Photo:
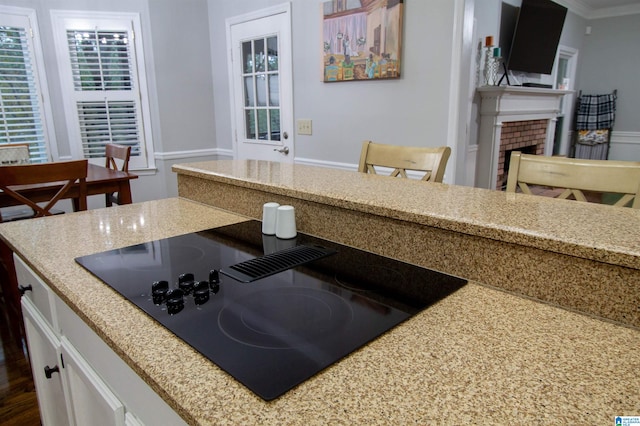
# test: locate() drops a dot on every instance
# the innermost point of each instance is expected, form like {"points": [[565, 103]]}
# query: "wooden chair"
{"points": [[576, 175], [432, 161], [115, 152], [69, 172]]}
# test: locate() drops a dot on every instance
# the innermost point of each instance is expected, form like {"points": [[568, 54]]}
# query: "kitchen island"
{"points": [[482, 355], [581, 256]]}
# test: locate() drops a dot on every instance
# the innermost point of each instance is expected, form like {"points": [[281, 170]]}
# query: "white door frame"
{"points": [[287, 98], [568, 102]]}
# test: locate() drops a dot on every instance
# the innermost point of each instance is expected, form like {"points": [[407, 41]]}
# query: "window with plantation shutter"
{"points": [[103, 122], [22, 116], [104, 83]]}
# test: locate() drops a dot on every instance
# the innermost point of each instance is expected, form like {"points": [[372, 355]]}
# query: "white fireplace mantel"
{"points": [[501, 104]]}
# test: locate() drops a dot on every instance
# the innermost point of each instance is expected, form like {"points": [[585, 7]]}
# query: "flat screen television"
{"points": [[536, 36]]}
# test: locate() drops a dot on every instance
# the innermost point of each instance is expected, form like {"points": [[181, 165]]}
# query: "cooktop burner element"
{"points": [[285, 318], [270, 331]]}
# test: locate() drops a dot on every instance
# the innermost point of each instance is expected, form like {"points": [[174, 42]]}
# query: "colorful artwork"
{"points": [[362, 39]]}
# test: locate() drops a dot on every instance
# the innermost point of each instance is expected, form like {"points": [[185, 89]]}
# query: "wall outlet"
{"points": [[304, 127]]}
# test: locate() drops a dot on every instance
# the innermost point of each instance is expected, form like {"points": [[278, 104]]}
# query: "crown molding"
{"points": [[578, 7], [612, 12]]}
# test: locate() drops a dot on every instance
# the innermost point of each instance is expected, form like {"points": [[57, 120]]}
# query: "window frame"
{"points": [[40, 76], [64, 20]]}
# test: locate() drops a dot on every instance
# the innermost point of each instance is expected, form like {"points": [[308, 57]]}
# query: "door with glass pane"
{"points": [[261, 75]]}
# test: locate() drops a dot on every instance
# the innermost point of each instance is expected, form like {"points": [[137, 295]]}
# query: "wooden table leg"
{"points": [[124, 192]]}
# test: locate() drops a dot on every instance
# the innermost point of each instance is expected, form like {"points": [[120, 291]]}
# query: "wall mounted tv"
{"points": [[536, 36]]}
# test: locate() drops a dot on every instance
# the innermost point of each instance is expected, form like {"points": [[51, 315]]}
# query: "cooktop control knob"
{"points": [[185, 277], [159, 291], [186, 282], [186, 286], [175, 301], [201, 292], [214, 281]]}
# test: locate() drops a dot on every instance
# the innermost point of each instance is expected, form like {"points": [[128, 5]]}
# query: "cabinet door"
{"points": [[92, 402], [44, 347]]}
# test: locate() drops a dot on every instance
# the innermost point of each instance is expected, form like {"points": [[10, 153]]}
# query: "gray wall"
{"points": [[43, 8], [610, 59], [412, 110], [487, 14], [179, 77], [186, 60], [184, 84]]}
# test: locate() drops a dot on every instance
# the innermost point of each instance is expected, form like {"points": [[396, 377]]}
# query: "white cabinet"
{"points": [[92, 385], [44, 351]]}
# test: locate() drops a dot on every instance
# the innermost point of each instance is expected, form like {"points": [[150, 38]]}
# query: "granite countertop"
{"points": [[588, 230], [479, 356]]}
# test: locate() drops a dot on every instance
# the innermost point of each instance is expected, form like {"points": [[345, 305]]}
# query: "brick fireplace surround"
{"points": [[525, 136], [513, 117]]}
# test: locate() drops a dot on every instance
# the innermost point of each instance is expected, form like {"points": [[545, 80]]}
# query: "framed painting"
{"points": [[362, 39]]}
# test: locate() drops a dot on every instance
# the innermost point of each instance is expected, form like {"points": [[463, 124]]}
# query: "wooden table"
{"points": [[100, 180]]}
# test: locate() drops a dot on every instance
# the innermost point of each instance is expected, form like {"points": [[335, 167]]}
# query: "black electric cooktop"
{"points": [[270, 312]]}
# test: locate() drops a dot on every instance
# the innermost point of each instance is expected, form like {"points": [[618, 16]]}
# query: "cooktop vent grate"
{"points": [[270, 264]]}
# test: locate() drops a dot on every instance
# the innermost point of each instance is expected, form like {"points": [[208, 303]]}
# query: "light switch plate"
{"points": [[304, 127]]}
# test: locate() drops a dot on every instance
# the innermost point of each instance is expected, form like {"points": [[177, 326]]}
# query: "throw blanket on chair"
{"points": [[596, 112]]}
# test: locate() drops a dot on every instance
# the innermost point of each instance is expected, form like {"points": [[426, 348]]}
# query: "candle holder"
{"points": [[488, 66], [495, 70]]}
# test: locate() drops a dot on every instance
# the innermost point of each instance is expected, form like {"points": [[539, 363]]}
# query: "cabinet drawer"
{"points": [[40, 293]]}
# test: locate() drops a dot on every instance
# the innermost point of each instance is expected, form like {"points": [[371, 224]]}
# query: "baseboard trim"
{"points": [[628, 138], [180, 155], [328, 164]]}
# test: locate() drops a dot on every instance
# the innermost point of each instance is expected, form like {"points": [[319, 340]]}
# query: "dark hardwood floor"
{"points": [[18, 403]]}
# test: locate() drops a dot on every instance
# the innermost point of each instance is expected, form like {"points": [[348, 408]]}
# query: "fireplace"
{"points": [[513, 117], [527, 137]]}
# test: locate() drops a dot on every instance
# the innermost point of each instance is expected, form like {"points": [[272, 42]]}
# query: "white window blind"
{"points": [[21, 117], [102, 76]]}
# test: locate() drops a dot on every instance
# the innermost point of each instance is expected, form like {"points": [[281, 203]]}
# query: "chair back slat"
{"points": [[575, 176], [112, 153], [115, 152], [431, 161], [68, 173]]}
